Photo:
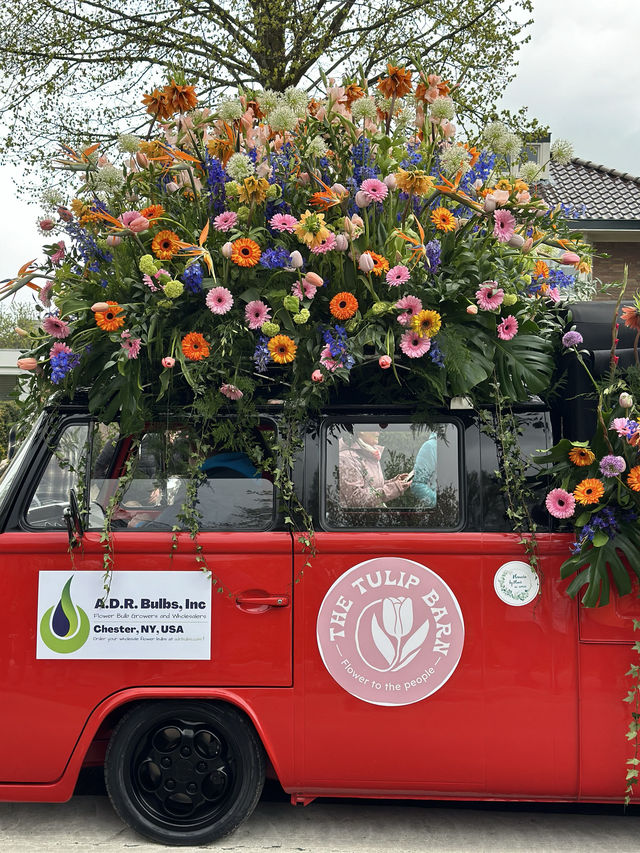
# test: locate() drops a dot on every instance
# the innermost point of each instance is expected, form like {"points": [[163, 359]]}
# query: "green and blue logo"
{"points": [[65, 628]]}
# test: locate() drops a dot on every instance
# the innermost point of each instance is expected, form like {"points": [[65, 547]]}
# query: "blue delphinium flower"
{"points": [[192, 277], [261, 356], [435, 354], [277, 258], [61, 364], [216, 179], [432, 259], [337, 341]]}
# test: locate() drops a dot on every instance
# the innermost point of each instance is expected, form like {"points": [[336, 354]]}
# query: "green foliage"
{"points": [[19, 315], [9, 415]]}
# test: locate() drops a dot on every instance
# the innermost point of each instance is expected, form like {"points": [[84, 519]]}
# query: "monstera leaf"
{"points": [[524, 366]]}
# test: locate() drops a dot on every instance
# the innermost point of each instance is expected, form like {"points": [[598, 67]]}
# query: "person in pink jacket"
{"points": [[362, 482]]}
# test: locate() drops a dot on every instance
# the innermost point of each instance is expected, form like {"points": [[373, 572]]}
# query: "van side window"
{"points": [[391, 475], [232, 494], [65, 470]]}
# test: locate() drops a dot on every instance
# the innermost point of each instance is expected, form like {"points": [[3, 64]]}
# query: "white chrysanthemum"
{"points": [[230, 110], [442, 108], [128, 143], [282, 118], [268, 100], [317, 147], [530, 172], [51, 198], [453, 159], [364, 108], [510, 145], [562, 151], [493, 133], [297, 100], [239, 167], [108, 179]]}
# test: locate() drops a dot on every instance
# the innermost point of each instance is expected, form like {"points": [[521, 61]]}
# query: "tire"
{"points": [[184, 773]]}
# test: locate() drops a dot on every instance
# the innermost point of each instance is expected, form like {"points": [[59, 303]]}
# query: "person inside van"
{"points": [[362, 482], [424, 483]]}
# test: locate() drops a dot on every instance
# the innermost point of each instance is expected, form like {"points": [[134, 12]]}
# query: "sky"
{"points": [[579, 74]]}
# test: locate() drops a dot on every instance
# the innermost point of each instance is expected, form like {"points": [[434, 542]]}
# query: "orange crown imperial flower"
{"points": [[181, 99], [157, 105], [397, 84], [110, 320]]}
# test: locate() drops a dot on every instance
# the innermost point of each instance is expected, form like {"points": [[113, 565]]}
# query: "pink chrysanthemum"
{"points": [[490, 296], [256, 313], [326, 245], [504, 225], [508, 328], [57, 348], [225, 221], [130, 345], [411, 305], [560, 504], [231, 391], [375, 189], [55, 327], [398, 275], [219, 300], [283, 222], [413, 345]]}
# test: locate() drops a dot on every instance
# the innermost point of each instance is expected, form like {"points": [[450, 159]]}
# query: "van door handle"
{"points": [[261, 601]]}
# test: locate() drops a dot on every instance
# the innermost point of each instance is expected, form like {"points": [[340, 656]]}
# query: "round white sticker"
{"points": [[516, 583]]}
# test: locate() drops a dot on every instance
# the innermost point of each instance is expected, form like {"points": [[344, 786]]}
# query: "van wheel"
{"points": [[184, 773]]}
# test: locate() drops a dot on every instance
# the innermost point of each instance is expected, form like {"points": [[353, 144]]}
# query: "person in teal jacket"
{"points": [[424, 484]]}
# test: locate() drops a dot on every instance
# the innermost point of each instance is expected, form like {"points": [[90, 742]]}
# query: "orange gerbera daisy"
{"points": [[589, 491], [443, 219], [154, 211], [343, 305], [245, 252], [581, 456], [397, 84], [381, 264], [540, 270], [631, 317], [426, 323], [282, 349], [633, 479], [195, 346], [165, 245], [110, 320]]}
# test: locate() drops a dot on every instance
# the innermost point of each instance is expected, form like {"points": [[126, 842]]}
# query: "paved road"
{"points": [[87, 822]]}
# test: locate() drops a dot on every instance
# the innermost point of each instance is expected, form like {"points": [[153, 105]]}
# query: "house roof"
{"points": [[610, 198]]}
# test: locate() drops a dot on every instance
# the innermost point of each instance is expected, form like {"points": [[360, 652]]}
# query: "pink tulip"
{"points": [[227, 250], [523, 197], [168, 361], [385, 362], [517, 241], [527, 246], [47, 224], [171, 187], [296, 259], [366, 262], [472, 309], [501, 197], [113, 240], [317, 376], [100, 306], [391, 182], [342, 244], [570, 258], [139, 224], [339, 189], [143, 160], [314, 279], [489, 203], [363, 199], [27, 363]]}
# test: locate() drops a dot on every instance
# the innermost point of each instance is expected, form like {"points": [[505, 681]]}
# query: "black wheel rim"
{"points": [[183, 774]]}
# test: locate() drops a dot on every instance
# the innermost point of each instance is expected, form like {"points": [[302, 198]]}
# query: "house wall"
{"points": [[620, 250]]}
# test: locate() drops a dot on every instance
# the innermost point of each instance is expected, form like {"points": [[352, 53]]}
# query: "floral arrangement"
{"points": [[598, 482], [279, 241]]}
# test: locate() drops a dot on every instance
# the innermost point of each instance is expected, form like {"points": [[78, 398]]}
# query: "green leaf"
{"points": [[600, 539]]}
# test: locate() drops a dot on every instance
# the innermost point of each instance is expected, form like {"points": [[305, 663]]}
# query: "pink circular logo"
{"points": [[390, 631]]}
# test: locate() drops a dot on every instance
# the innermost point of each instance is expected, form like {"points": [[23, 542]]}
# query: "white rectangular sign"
{"points": [[147, 616]]}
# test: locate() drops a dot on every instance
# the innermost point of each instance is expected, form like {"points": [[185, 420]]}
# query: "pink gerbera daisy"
{"points": [[45, 294], [58, 257], [508, 328], [150, 282], [55, 327], [231, 391], [398, 275], [130, 345], [57, 348], [225, 221], [504, 225], [411, 305], [283, 222], [621, 426], [303, 289], [413, 345], [375, 189], [560, 504], [326, 245], [219, 300], [256, 313], [490, 296]]}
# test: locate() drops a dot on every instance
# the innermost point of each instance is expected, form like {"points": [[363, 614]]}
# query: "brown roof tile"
{"points": [[607, 194]]}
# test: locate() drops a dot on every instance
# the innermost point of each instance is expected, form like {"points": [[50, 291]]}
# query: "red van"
{"points": [[419, 656]]}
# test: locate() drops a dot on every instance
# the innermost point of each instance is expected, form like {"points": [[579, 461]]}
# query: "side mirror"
{"points": [[73, 520]]}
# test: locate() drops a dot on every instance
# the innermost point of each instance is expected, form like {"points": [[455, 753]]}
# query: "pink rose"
{"points": [[168, 361], [47, 224], [523, 197], [385, 362], [472, 309], [317, 376]]}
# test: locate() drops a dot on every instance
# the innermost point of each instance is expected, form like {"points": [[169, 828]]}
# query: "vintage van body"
{"points": [[414, 657]]}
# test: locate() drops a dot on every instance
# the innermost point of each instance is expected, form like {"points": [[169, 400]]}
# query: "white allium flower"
{"points": [[407, 117], [297, 100], [510, 145], [230, 110], [317, 147], [530, 172], [268, 100], [282, 118], [364, 108], [493, 134], [128, 143], [52, 197], [442, 108], [562, 151], [453, 159], [239, 167], [108, 179]]}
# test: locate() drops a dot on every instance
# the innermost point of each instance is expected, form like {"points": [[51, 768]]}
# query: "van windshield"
{"points": [[11, 471]]}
